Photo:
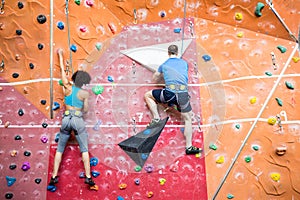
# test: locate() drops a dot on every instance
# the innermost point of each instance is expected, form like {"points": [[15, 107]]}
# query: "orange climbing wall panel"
{"points": [[230, 92]]}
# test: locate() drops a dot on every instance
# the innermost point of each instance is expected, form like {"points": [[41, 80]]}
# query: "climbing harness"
{"points": [[2, 6], [69, 64]]}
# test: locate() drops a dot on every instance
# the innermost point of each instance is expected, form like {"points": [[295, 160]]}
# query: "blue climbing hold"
{"points": [[93, 161], [144, 156], [60, 25], [206, 58], [120, 198], [73, 48], [56, 106], [95, 173], [81, 175], [147, 131], [110, 79], [10, 180], [177, 30], [56, 137], [51, 188]]}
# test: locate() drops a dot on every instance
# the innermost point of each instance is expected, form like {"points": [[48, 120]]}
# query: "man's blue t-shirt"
{"points": [[175, 71]]}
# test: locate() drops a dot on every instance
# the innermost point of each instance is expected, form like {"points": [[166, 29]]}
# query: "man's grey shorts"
{"points": [[72, 120]]}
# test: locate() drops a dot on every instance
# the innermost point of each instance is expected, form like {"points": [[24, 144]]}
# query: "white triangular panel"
{"points": [[153, 56]]}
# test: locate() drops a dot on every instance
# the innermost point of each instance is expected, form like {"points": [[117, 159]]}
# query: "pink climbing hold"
{"points": [[83, 29], [89, 3]]}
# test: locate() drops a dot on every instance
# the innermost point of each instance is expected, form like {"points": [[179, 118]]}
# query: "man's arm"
{"points": [[157, 77]]}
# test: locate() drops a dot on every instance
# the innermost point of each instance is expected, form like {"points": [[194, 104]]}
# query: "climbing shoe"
{"points": [[192, 150], [53, 181], [153, 123], [89, 181]]}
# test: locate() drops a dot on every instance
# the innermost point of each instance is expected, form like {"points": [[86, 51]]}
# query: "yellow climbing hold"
{"points": [[272, 120], [275, 176], [220, 160], [162, 181], [296, 59], [238, 16], [240, 34], [253, 100]]}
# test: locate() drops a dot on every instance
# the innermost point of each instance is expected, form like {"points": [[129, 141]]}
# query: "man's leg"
{"points": [[152, 105], [188, 132]]}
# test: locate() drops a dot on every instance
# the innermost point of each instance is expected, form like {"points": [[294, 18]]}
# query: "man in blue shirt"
{"points": [[175, 74]]}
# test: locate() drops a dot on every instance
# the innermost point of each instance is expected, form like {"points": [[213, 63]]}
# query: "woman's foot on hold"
{"points": [[53, 181], [153, 123], [192, 150]]}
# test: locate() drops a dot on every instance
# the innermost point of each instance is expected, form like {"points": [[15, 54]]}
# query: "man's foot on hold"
{"points": [[89, 181], [192, 150], [153, 123], [53, 181]]}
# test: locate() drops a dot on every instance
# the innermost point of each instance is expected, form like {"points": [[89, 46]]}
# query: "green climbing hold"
{"points": [[77, 2], [255, 147], [60, 82], [138, 168], [248, 159], [268, 73], [258, 9], [230, 196], [98, 46], [98, 89], [282, 49], [237, 126], [213, 147], [279, 101], [289, 85]]}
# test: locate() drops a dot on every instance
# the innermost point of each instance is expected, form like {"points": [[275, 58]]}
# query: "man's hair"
{"points": [[81, 78], [173, 49]]}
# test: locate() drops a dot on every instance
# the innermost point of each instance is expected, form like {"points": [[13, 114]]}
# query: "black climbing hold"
{"points": [[44, 125], [41, 19], [38, 180], [19, 32], [21, 112], [27, 153], [12, 166], [162, 14], [9, 195], [31, 66], [15, 75], [43, 102], [20, 5], [40, 46], [18, 137]]}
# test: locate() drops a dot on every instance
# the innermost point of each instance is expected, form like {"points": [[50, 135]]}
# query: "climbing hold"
{"points": [[253, 100], [40, 46], [98, 89], [81, 175], [56, 137], [275, 176], [282, 49], [137, 181], [123, 186], [248, 159], [83, 29], [41, 19], [7, 124], [18, 137], [296, 59], [15, 75], [120, 198], [20, 5], [89, 3], [279, 101], [77, 2], [177, 30], [60, 25], [150, 194], [60, 82], [98, 46], [13, 153], [20, 112], [162, 181], [255, 147], [230, 196], [10, 180], [112, 28], [27, 153], [110, 79], [56, 106], [237, 126], [213, 147], [73, 48], [51, 188], [93, 161], [95, 173], [272, 120], [31, 66], [44, 125], [220, 160], [43, 102], [238, 16], [147, 131], [240, 34], [37, 180], [162, 14], [19, 32], [149, 168], [2, 66], [44, 139], [12, 166], [144, 156], [289, 85], [206, 58], [17, 57], [25, 166], [97, 125], [280, 151], [137, 168], [9, 195], [258, 9], [268, 73]]}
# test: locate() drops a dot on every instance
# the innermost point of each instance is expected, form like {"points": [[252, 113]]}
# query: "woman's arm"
{"points": [[64, 78]]}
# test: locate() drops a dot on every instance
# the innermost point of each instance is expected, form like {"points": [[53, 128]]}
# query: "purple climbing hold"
{"points": [[44, 139], [25, 166]]}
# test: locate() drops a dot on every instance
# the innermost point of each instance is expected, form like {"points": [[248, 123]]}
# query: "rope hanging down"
{"points": [[183, 26], [69, 64], [51, 58]]}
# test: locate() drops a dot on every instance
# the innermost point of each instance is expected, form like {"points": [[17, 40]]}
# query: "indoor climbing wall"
{"points": [[243, 61]]}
